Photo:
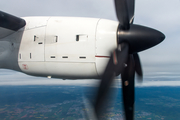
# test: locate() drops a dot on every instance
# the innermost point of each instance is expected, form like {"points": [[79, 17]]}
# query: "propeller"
{"points": [[125, 59]]}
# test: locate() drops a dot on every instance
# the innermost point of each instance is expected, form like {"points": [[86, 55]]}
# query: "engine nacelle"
{"points": [[66, 47]]}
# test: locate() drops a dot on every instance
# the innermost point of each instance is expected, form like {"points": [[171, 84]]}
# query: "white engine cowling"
{"points": [[106, 42], [66, 47]]}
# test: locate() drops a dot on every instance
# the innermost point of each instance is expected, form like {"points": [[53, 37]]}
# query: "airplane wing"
{"points": [[9, 24]]}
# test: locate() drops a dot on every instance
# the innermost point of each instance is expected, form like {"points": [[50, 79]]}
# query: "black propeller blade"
{"points": [[115, 64], [125, 12], [128, 88], [132, 39], [138, 67]]}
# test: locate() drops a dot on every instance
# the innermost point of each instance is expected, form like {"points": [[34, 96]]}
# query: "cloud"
{"points": [[80, 8], [159, 84], [9, 77], [17, 78]]}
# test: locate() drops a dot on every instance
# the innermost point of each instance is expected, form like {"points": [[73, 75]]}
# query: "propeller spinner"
{"points": [[125, 59]]}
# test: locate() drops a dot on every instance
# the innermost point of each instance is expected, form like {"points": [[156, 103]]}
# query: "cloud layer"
{"points": [[8, 77]]}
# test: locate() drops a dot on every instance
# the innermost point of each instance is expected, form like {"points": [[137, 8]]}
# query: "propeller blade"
{"points": [[115, 64], [138, 67], [128, 88], [125, 12]]}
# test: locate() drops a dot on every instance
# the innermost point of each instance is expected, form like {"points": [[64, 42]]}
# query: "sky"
{"points": [[163, 15]]}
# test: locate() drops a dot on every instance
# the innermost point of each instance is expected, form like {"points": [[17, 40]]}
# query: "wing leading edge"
{"points": [[10, 24]]}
